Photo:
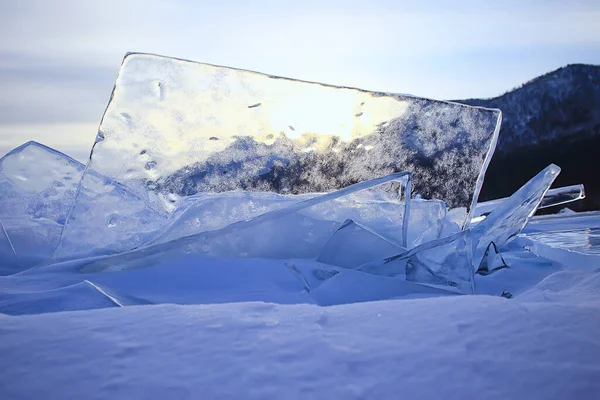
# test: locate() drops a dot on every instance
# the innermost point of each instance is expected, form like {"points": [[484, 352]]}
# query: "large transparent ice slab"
{"points": [[554, 197], [289, 232], [38, 186], [174, 128]]}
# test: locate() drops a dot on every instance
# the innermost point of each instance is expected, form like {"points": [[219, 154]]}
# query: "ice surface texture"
{"points": [[572, 240], [563, 195], [174, 128]]}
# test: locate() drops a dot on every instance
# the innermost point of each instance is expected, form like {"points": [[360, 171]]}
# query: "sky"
{"points": [[59, 59]]}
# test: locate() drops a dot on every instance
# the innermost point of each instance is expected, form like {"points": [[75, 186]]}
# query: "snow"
{"points": [[446, 347]]}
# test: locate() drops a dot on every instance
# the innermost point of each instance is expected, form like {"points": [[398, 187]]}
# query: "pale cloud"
{"points": [[58, 59]]}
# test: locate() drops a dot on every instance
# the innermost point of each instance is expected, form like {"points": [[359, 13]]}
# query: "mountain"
{"points": [[554, 118]]}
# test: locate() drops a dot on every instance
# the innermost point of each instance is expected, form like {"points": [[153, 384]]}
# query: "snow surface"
{"points": [[447, 347]]}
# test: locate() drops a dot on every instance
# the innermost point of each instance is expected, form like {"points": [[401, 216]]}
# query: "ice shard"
{"points": [[174, 128], [295, 231], [446, 263], [426, 222], [8, 256], [445, 260], [99, 218], [510, 217], [554, 197], [442, 262], [303, 233], [203, 212], [38, 186], [492, 261], [563, 195], [79, 296], [353, 245], [452, 261], [312, 277], [6, 245]]}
